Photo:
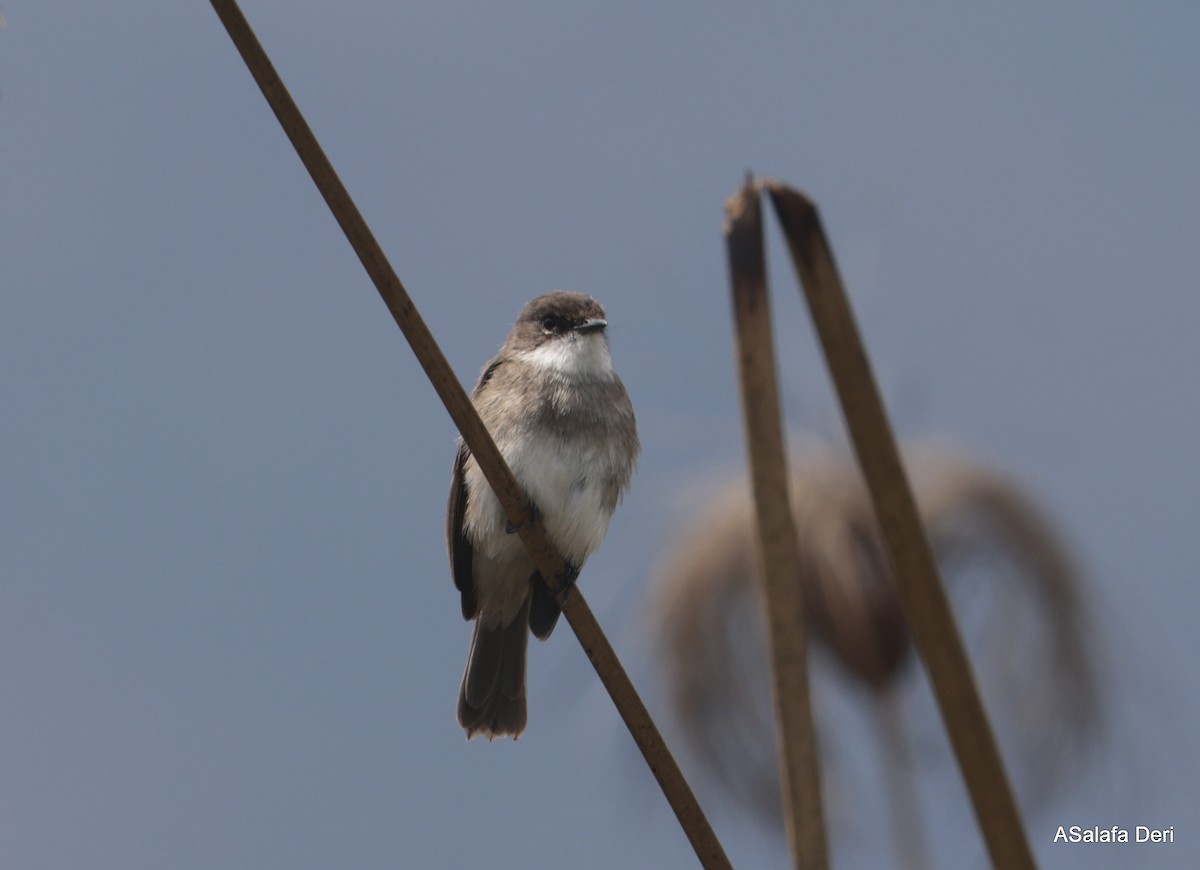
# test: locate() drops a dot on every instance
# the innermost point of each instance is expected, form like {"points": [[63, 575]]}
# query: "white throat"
{"points": [[573, 356]]}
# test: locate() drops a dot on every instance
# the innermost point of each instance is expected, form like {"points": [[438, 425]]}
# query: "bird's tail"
{"points": [[491, 700]]}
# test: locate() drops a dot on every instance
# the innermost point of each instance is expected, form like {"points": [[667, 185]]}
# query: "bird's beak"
{"points": [[595, 324]]}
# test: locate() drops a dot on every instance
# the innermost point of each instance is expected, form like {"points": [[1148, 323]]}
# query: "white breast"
{"points": [[565, 482]]}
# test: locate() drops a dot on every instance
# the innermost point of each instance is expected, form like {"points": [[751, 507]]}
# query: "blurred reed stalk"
{"points": [[922, 594], [516, 505], [778, 549], [900, 786]]}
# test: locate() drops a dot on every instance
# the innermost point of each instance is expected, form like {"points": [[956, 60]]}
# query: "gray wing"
{"points": [[462, 554]]}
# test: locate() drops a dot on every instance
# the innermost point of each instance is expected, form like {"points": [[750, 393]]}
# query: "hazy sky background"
{"points": [[228, 635]]}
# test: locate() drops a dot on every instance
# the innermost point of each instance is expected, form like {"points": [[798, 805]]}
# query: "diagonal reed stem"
{"points": [[549, 562], [778, 547], [921, 591]]}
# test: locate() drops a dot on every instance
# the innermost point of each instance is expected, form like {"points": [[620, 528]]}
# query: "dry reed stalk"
{"points": [[549, 562], [922, 594], [779, 554]]}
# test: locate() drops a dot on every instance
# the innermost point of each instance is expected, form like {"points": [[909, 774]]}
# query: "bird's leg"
{"points": [[566, 580], [512, 530]]}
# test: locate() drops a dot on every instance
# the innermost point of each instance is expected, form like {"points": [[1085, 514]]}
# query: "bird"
{"points": [[563, 422]]}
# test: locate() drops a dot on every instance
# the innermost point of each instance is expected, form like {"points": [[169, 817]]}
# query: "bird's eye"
{"points": [[551, 323]]}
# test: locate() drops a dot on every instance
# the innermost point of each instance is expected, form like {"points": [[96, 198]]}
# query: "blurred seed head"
{"points": [[1016, 595]]}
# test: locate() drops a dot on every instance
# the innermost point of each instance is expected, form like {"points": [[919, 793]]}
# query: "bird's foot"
{"points": [[566, 581]]}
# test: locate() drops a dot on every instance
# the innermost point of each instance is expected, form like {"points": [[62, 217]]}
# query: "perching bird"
{"points": [[564, 424]]}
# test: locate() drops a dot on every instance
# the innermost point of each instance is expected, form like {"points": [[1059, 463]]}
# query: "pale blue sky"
{"points": [[228, 637]]}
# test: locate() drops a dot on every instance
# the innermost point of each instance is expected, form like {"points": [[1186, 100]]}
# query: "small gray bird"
{"points": [[565, 426]]}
